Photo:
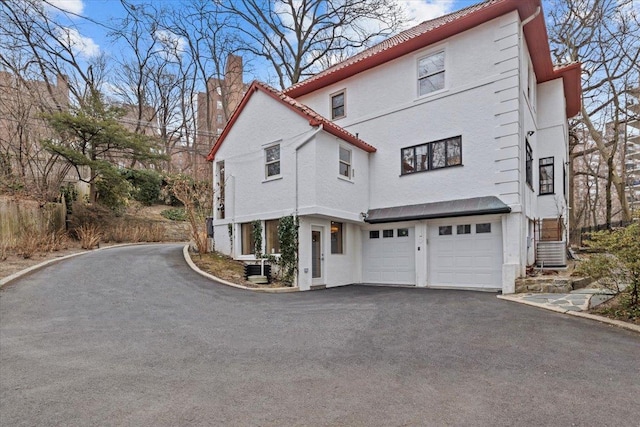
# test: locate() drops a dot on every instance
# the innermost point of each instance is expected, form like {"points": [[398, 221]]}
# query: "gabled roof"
{"points": [[435, 30], [314, 118]]}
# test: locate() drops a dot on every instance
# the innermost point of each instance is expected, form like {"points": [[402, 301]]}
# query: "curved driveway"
{"points": [[131, 336]]}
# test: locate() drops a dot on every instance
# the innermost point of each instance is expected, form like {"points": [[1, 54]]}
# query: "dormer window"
{"points": [[431, 73], [337, 105]]}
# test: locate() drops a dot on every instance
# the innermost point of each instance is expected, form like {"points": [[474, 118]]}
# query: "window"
{"points": [[219, 118], [337, 105], [272, 160], [432, 155], [431, 73], [221, 187], [248, 243], [271, 236], [219, 105], [403, 232], [387, 233], [529, 166], [374, 234], [546, 175], [336, 237], [483, 228], [445, 230], [345, 162], [463, 229]]}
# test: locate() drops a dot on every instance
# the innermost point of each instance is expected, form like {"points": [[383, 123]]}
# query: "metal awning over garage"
{"points": [[462, 207]]}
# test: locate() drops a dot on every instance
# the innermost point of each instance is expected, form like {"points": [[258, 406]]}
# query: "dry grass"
{"points": [[29, 243], [135, 232], [228, 269], [89, 236]]}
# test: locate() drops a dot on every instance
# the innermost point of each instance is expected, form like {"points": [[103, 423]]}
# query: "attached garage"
{"points": [[389, 256], [465, 254], [463, 244]]}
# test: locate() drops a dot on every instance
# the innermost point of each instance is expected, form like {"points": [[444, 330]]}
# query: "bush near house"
{"points": [[616, 264]]}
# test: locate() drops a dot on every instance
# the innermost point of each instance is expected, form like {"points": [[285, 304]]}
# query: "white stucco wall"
{"points": [[553, 141], [479, 102], [484, 101]]}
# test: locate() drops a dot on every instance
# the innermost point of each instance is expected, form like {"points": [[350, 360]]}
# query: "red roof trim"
{"points": [[444, 27], [314, 118]]}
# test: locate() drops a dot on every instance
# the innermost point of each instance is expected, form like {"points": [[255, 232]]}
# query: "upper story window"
{"points": [[219, 105], [272, 161], [219, 118], [345, 162], [431, 73], [432, 155], [529, 166], [337, 105], [546, 175]]}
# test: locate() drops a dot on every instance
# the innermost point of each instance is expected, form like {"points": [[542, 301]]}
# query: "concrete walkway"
{"points": [[575, 303]]}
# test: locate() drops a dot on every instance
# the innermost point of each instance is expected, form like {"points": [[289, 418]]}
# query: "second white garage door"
{"points": [[389, 256], [466, 255]]}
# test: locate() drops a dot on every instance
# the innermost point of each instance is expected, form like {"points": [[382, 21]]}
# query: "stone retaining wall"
{"points": [[551, 284]]}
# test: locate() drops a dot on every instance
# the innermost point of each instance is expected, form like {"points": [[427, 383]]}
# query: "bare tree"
{"points": [[605, 36], [295, 36]]}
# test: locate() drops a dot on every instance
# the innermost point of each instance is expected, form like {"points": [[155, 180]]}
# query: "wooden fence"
{"points": [[18, 216]]}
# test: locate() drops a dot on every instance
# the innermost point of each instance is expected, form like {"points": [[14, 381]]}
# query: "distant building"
{"points": [[215, 107]]}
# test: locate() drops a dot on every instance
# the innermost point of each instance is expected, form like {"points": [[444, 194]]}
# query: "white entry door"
{"points": [[388, 256], [465, 254]]}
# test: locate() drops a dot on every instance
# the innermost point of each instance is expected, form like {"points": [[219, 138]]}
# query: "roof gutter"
{"points": [[532, 17]]}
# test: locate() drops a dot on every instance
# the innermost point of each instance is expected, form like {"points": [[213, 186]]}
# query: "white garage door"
{"points": [[466, 255], [389, 256]]}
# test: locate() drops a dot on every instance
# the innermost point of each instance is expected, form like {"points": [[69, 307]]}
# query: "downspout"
{"points": [[298, 147], [532, 17], [523, 184]]}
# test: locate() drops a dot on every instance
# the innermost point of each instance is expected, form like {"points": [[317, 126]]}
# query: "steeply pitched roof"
{"points": [[314, 118], [435, 30]]}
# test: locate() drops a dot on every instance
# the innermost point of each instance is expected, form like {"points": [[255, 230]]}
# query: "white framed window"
{"points": [[272, 161], [338, 102], [431, 72], [219, 105], [344, 162]]}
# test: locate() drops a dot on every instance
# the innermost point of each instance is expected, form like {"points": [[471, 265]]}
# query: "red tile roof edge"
{"points": [[438, 29], [314, 118]]}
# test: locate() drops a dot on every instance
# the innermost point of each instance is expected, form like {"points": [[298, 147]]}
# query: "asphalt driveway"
{"points": [[131, 336]]}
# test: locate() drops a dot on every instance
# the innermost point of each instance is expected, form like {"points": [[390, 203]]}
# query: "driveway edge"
{"points": [[29, 270], [194, 267], [602, 319]]}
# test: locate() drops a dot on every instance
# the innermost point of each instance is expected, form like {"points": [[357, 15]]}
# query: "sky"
{"points": [[90, 38]]}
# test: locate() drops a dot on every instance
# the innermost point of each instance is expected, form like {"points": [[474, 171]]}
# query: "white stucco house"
{"points": [[424, 160]]}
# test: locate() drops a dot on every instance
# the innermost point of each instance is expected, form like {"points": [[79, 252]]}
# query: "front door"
{"points": [[317, 256]]}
